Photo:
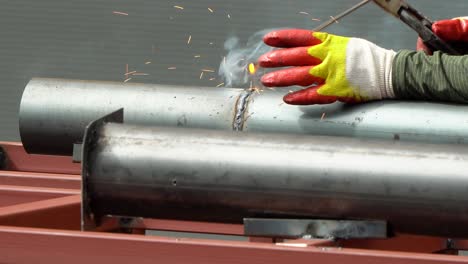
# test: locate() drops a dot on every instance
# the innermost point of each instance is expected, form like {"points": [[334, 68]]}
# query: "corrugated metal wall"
{"points": [[84, 39]]}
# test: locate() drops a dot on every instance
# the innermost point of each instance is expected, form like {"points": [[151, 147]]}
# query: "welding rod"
{"points": [[335, 19], [54, 113]]}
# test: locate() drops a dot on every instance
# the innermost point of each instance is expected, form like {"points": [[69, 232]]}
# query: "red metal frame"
{"points": [[40, 221]]}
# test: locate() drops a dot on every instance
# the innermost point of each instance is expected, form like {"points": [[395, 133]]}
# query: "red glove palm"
{"points": [[454, 31]]}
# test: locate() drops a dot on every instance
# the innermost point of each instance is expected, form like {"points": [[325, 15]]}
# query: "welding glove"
{"points": [[451, 30], [336, 68]]}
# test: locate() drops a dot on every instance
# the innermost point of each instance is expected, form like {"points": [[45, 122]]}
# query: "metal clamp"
{"points": [[314, 228]]}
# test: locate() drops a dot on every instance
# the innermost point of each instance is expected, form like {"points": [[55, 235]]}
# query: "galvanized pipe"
{"points": [[224, 176], [54, 113]]}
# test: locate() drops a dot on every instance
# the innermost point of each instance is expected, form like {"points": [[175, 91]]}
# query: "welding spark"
{"points": [[126, 71], [148, 62], [251, 68], [211, 10], [189, 39], [128, 79], [255, 89], [304, 13], [315, 19], [179, 7], [172, 68], [212, 79], [197, 56], [201, 75], [219, 85], [208, 70], [323, 116], [229, 16], [120, 13], [140, 74]]}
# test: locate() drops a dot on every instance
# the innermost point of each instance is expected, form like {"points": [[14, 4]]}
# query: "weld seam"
{"points": [[241, 108]]}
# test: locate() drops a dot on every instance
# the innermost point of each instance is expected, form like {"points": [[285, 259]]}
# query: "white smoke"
{"points": [[233, 68]]}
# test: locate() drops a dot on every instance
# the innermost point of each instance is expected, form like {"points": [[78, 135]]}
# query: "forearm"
{"points": [[440, 77]]}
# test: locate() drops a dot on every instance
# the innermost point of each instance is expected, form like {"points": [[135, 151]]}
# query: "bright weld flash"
{"points": [[252, 68]]}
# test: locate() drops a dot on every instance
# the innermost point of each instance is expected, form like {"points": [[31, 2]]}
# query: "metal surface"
{"points": [[314, 228], [405, 121], [54, 113], [87, 146], [225, 176], [391, 6], [76, 155], [71, 105]]}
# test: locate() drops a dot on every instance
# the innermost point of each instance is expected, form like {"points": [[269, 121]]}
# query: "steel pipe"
{"points": [[54, 113], [195, 174]]}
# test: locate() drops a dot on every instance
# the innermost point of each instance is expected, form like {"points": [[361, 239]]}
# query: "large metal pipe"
{"points": [[54, 113], [224, 176]]}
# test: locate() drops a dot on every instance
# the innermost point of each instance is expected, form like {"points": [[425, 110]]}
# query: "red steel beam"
{"points": [[34, 179], [401, 242], [112, 223], [19, 160], [11, 195], [460, 244], [30, 245], [58, 213]]}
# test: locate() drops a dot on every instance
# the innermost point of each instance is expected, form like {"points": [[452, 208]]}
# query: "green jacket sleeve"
{"points": [[440, 77]]}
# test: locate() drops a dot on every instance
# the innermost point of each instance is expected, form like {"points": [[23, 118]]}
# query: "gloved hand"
{"points": [[344, 69], [453, 31]]}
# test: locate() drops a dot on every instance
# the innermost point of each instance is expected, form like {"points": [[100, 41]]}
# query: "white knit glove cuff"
{"points": [[369, 69]]}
